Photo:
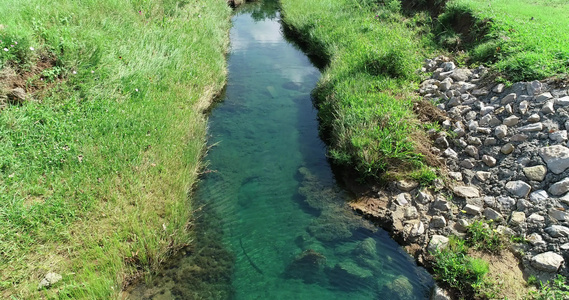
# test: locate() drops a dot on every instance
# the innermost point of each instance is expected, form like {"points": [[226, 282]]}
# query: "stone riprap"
{"points": [[507, 155]]}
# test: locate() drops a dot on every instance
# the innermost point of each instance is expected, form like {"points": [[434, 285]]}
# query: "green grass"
{"points": [[525, 39], [365, 95], [95, 170]]}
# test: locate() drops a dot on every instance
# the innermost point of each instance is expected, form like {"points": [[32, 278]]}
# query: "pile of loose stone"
{"points": [[507, 154]]}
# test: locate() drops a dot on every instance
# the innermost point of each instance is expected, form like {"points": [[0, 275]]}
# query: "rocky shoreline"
{"points": [[506, 152]]}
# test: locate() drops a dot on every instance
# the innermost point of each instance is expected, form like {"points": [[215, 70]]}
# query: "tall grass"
{"points": [[96, 168], [365, 95]]}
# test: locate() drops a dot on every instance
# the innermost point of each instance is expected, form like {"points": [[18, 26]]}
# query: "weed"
{"points": [[481, 236], [556, 290]]}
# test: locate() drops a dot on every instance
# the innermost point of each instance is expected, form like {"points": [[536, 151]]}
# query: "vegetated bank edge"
{"points": [[338, 31], [102, 135]]}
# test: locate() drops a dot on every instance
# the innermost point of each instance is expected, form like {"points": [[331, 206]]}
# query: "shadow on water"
{"points": [[273, 222]]}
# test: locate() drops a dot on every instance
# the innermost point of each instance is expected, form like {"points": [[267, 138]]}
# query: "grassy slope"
{"points": [[365, 95], [94, 175], [527, 39]]}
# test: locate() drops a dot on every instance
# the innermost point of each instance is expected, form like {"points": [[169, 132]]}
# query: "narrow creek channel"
{"points": [[272, 222]]}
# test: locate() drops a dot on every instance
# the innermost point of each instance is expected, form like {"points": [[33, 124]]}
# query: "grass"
{"points": [[365, 97], [95, 168], [556, 290], [522, 39]]}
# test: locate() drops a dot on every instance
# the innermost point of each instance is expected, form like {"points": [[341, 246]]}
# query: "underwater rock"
{"points": [[349, 276], [308, 266], [399, 288]]}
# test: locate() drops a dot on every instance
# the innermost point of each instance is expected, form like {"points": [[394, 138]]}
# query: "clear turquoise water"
{"points": [[274, 224]]}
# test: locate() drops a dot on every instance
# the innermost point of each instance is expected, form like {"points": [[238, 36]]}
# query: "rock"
{"points": [[535, 239], [489, 160], [505, 231], [564, 247], [538, 196], [424, 197], [439, 294], [534, 118], [466, 191], [501, 131], [442, 142], [490, 141], [532, 127], [559, 188], [411, 212], [523, 205], [547, 262], [483, 176], [399, 288], [534, 87], [455, 175], [547, 108], [509, 98], [507, 148], [523, 107], [438, 222], [467, 164], [402, 199], [480, 92], [557, 231], [519, 138], [471, 209], [406, 185], [450, 153], [461, 225], [486, 110], [441, 204], [472, 151], [563, 101], [556, 157], [535, 173], [17, 95], [559, 215], [506, 202], [493, 215], [517, 218], [437, 242], [50, 279], [543, 97], [558, 136], [511, 121], [448, 66], [460, 74], [536, 218], [498, 88]]}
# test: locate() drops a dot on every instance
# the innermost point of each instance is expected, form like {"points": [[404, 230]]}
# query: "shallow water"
{"points": [[273, 223]]}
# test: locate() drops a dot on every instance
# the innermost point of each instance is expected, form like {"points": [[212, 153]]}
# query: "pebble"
{"points": [[507, 148], [534, 118], [489, 160]]}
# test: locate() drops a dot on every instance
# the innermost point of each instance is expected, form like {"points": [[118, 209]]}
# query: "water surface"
{"points": [[273, 224]]}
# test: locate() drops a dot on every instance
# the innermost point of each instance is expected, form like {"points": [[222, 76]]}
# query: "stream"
{"points": [[271, 221]]}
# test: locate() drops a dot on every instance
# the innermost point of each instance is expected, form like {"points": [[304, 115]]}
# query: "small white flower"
{"points": [[32, 48], [92, 71], [74, 72], [16, 43], [136, 90], [6, 49]]}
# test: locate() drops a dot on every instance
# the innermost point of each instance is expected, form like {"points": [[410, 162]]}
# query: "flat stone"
{"points": [[547, 108], [564, 247], [519, 138], [509, 98], [424, 197], [472, 209], [455, 175], [564, 101], [543, 97], [558, 136], [486, 110], [472, 140], [450, 153], [437, 242], [518, 188], [558, 215], [441, 204], [407, 185], [547, 262], [538, 196], [489, 160], [507, 148], [536, 127], [535, 173], [511, 121], [556, 157], [402, 199], [483, 176], [506, 201], [490, 141], [460, 74], [557, 231], [536, 218], [498, 88], [438, 222], [466, 191], [535, 239], [559, 188], [493, 215], [517, 218], [467, 164], [49, 280], [480, 92]]}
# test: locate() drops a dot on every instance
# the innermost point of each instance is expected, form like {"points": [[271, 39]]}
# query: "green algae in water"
{"points": [[271, 199]]}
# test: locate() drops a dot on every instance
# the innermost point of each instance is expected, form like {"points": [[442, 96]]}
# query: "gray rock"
{"points": [[437, 242], [406, 185], [557, 231], [490, 141], [441, 204], [411, 213], [472, 125], [472, 151], [501, 131], [498, 88], [483, 176], [509, 109], [438, 222], [559, 188], [450, 153], [472, 140], [547, 108], [506, 202], [509, 98], [489, 160], [523, 205], [49, 280], [461, 225], [460, 74], [424, 197], [466, 191], [519, 138], [484, 130], [534, 118], [507, 148], [558, 215], [538, 196], [517, 218], [402, 199], [455, 175], [536, 218], [534, 87], [558, 136], [543, 97], [556, 157], [448, 66], [535, 173], [532, 127], [493, 215], [472, 209], [511, 121], [439, 294], [535, 239], [564, 101], [547, 262], [442, 142], [486, 110], [467, 164], [523, 107], [505, 231]]}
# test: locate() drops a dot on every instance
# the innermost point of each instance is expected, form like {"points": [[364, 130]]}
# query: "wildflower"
{"points": [[6, 49], [16, 43], [74, 72], [32, 48], [92, 72], [136, 90], [11, 45]]}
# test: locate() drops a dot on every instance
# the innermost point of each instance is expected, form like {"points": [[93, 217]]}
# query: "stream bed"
{"points": [[271, 221]]}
